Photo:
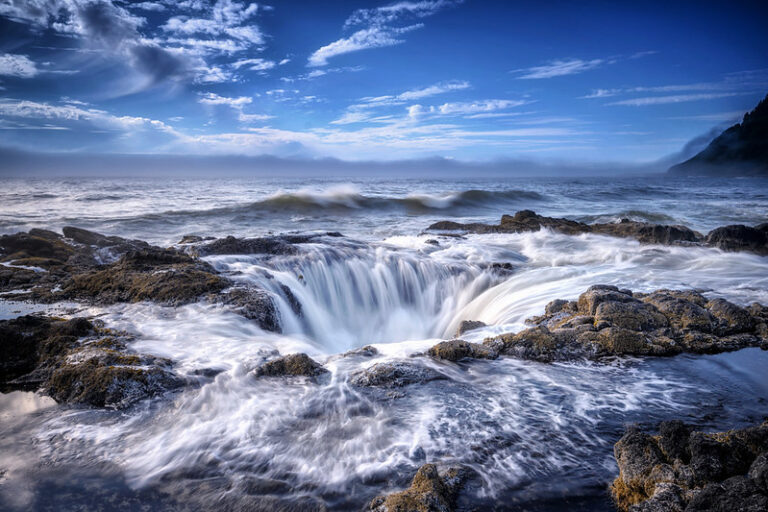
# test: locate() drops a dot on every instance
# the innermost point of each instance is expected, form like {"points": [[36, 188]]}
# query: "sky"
{"points": [[474, 81]]}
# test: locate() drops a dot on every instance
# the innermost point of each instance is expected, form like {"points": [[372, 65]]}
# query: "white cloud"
{"points": [[17, 65], [73, 113], [601, 93], [254, 64], [679, 98], [464, 108], [214, 99], [397, 11], [373, 37], [148, 6], [560, 68]]}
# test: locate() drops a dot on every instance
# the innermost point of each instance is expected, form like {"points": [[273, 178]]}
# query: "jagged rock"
{"points": [[739, 238], [430, 491], [469, 325], [394, 375], [28, 341], [685, 470], [110, 380], [758, 472], [456, 350], [297, 365], [608, 321], [39, 248], [272, 245], [527, 220], [254, 304], [160, 275]]}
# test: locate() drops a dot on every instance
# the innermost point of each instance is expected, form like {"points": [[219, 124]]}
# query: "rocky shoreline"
{"points": [[735, 237], [80, 361]]}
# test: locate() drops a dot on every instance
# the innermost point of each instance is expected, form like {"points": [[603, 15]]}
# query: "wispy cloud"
{"points": [[465, 108], [236, 103], [374, 37], [678, 98], [19, 66], [380, 28], [559, 68], [255, 64]]}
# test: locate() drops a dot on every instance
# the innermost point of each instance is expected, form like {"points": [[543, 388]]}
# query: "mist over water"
{"points": [[533, 432]]}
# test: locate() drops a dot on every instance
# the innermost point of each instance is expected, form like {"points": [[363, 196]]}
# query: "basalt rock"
{"points": [[739, 238], [30, 341], [430, 491], [255, 304], [469, 325], [693, 471], [268, 245], [456, 350], [394, 375], [107, 378], [527, 220], [296, 365], [608, 321], [160, 275], [728, 238]]}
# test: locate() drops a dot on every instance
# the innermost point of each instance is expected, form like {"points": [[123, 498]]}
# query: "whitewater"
{"points": [[538, 435]]}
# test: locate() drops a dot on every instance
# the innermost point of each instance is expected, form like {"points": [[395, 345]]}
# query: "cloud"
{"points": [[397, 11], [601, 93], [19, 66], [378, 30], [254, 64], [237, 104], [374, 37], [464, 108], [74, 113], [148, 6], [412, 94], [559, 68], [226, 18], [214, 99], [679, 98]]}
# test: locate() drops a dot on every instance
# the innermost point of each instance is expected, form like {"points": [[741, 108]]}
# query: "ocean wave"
{"points": [[349, 198]]}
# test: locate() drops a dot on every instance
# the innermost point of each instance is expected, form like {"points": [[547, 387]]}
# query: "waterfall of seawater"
{"points": [[354, 295]]}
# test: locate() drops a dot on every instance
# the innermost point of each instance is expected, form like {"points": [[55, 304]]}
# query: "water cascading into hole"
{"points": [[352, 296]]}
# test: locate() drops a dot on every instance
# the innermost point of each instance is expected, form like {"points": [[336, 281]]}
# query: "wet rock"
{"points": [[28, 341], [608, 321], [469, 325], [692, 471], [255, 304], [394, 375], [272, 245], [366, 351], [430, 491], [739, 238], [160, 275], [38, 248], [456, 350], [110, 380], [297, 365], [527, 220]]}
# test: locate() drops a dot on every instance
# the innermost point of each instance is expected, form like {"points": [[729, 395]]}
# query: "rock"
{"points": [[527, 220], [731, 318], [272, 245], [394, 375], [116, 382], [254, 304], [366, 351], [469, 325], [430, 491], [608, 321], [739, 238], [685, 470], [42, 248], [456, 350], [297, 365], [758, 472], [28, 341], [160, 275]]}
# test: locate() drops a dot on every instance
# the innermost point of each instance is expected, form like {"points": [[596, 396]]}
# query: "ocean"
{"points": [[539, 436]]}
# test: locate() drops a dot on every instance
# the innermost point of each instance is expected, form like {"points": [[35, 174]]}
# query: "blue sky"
{"points": [[472, 80]]}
